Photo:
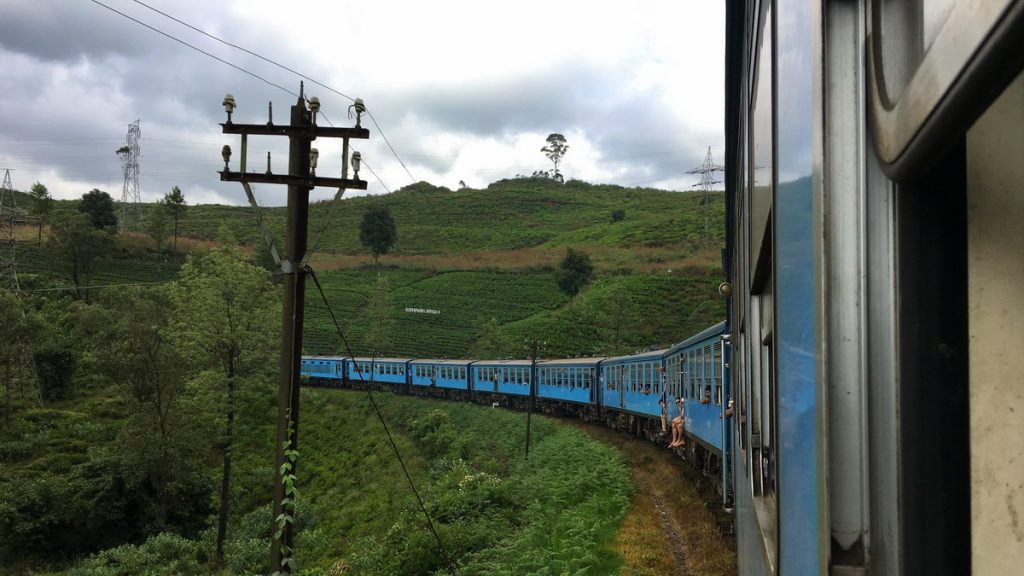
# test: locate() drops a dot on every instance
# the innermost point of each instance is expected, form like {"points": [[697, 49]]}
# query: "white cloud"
{"points": [[464, 90]]}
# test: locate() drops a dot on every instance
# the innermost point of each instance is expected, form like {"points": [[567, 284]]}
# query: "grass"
{"points": [[496, 511], [706, 551], [509, 215]]}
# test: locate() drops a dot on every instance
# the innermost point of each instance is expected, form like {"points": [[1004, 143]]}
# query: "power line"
{"points": [[196, 48], [286, 68], [380, 416]]}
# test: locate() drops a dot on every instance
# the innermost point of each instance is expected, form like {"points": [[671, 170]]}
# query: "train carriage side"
{"points": [[634, 383], [512, 377], [568, 380], [324, 370], [698, 367], [435, 373], [378, 370], [873, 206]]}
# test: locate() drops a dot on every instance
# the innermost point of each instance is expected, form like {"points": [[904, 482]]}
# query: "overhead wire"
{"points": [[288, 69], [380, 416]]}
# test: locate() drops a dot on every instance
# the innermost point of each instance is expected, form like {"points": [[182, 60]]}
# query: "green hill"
{"points": [[507, 215]]}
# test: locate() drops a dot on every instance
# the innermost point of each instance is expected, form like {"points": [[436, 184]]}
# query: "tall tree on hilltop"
{"points": [[555, 150], [574, 272], [377, 232], [174, 202], [228, 316], [42, 203], [99, 206]]}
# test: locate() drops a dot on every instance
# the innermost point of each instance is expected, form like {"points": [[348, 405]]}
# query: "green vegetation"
{"points": [[617, 314], [147, 422], [507, 215]]}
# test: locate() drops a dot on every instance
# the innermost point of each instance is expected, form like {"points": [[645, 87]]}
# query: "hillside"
{"points": [[485, 260], [508, 215]]}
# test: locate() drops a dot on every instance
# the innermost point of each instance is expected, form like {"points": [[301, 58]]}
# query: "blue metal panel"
{"points": [[567, 381], [800, 520], [321, 367]]}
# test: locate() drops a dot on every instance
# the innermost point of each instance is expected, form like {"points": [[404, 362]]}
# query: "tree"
{"points": [[227, 315], [156, 223], [161, 453], [80, 245], [555, 149], [574, 272], [42, 203], [378, 315], [174, 202], [377, 232], [99, 206]]}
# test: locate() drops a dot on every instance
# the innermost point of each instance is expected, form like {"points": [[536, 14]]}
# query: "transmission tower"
{"points": [[707, 180], [9, 214], [129, 154]]}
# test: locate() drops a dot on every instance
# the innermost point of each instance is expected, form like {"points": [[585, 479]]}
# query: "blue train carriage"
{"points": [[632, 386], [376, 372], [323, 370], [569, 381], [697, 370], [504, 381], [440, 377]]}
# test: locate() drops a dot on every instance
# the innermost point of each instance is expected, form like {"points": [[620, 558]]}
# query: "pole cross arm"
{"points": [[307, 131], [309, 182]]}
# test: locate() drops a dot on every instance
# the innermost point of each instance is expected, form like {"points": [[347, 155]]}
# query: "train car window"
{"points": [[925, 78]]}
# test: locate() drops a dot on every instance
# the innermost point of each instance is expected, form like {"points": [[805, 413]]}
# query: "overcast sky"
{"points": [[463, 90]]}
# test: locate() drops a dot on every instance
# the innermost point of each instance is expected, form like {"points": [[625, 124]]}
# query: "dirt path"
{"points": [[670, 528]]}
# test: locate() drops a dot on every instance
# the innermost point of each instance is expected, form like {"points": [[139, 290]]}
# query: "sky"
{"points": [[463, 91]]}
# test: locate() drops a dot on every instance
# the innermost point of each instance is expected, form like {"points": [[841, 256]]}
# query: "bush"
{"points": [[163, 554], [55, 367], [618, 215]]}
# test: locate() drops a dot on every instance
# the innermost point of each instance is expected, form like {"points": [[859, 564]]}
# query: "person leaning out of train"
{"points": [[678, 430], [728, 409]]}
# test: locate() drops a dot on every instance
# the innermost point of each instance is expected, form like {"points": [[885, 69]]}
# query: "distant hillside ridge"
{"points": [[511, 214]]}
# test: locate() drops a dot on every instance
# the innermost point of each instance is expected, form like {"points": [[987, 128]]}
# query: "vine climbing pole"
{"points": [[300, 179]]}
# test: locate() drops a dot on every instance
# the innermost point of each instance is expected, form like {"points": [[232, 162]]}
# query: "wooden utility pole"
{"points": [[301, 178]]}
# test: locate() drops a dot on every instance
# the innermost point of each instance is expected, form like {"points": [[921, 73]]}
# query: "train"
{"points": [[874, 259], [636, 393], [865, 393]]}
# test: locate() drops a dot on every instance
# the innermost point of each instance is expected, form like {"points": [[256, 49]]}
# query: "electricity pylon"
{"points": [[9, 215], [707, 180], [129, 154]]}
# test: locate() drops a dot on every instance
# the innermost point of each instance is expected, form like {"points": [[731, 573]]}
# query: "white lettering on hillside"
{"points": [[422, 311]]}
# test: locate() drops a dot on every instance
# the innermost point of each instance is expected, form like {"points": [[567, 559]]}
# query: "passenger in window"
{"points": [[728, 409], [678, 425], [707, 395], [647, 389]]}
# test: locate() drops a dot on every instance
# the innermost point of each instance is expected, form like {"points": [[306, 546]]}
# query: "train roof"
{"points": [[502, 363], [316, 357], [636, 357], [380, 360], [711, 332], [442, 361], [571, 362]]}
